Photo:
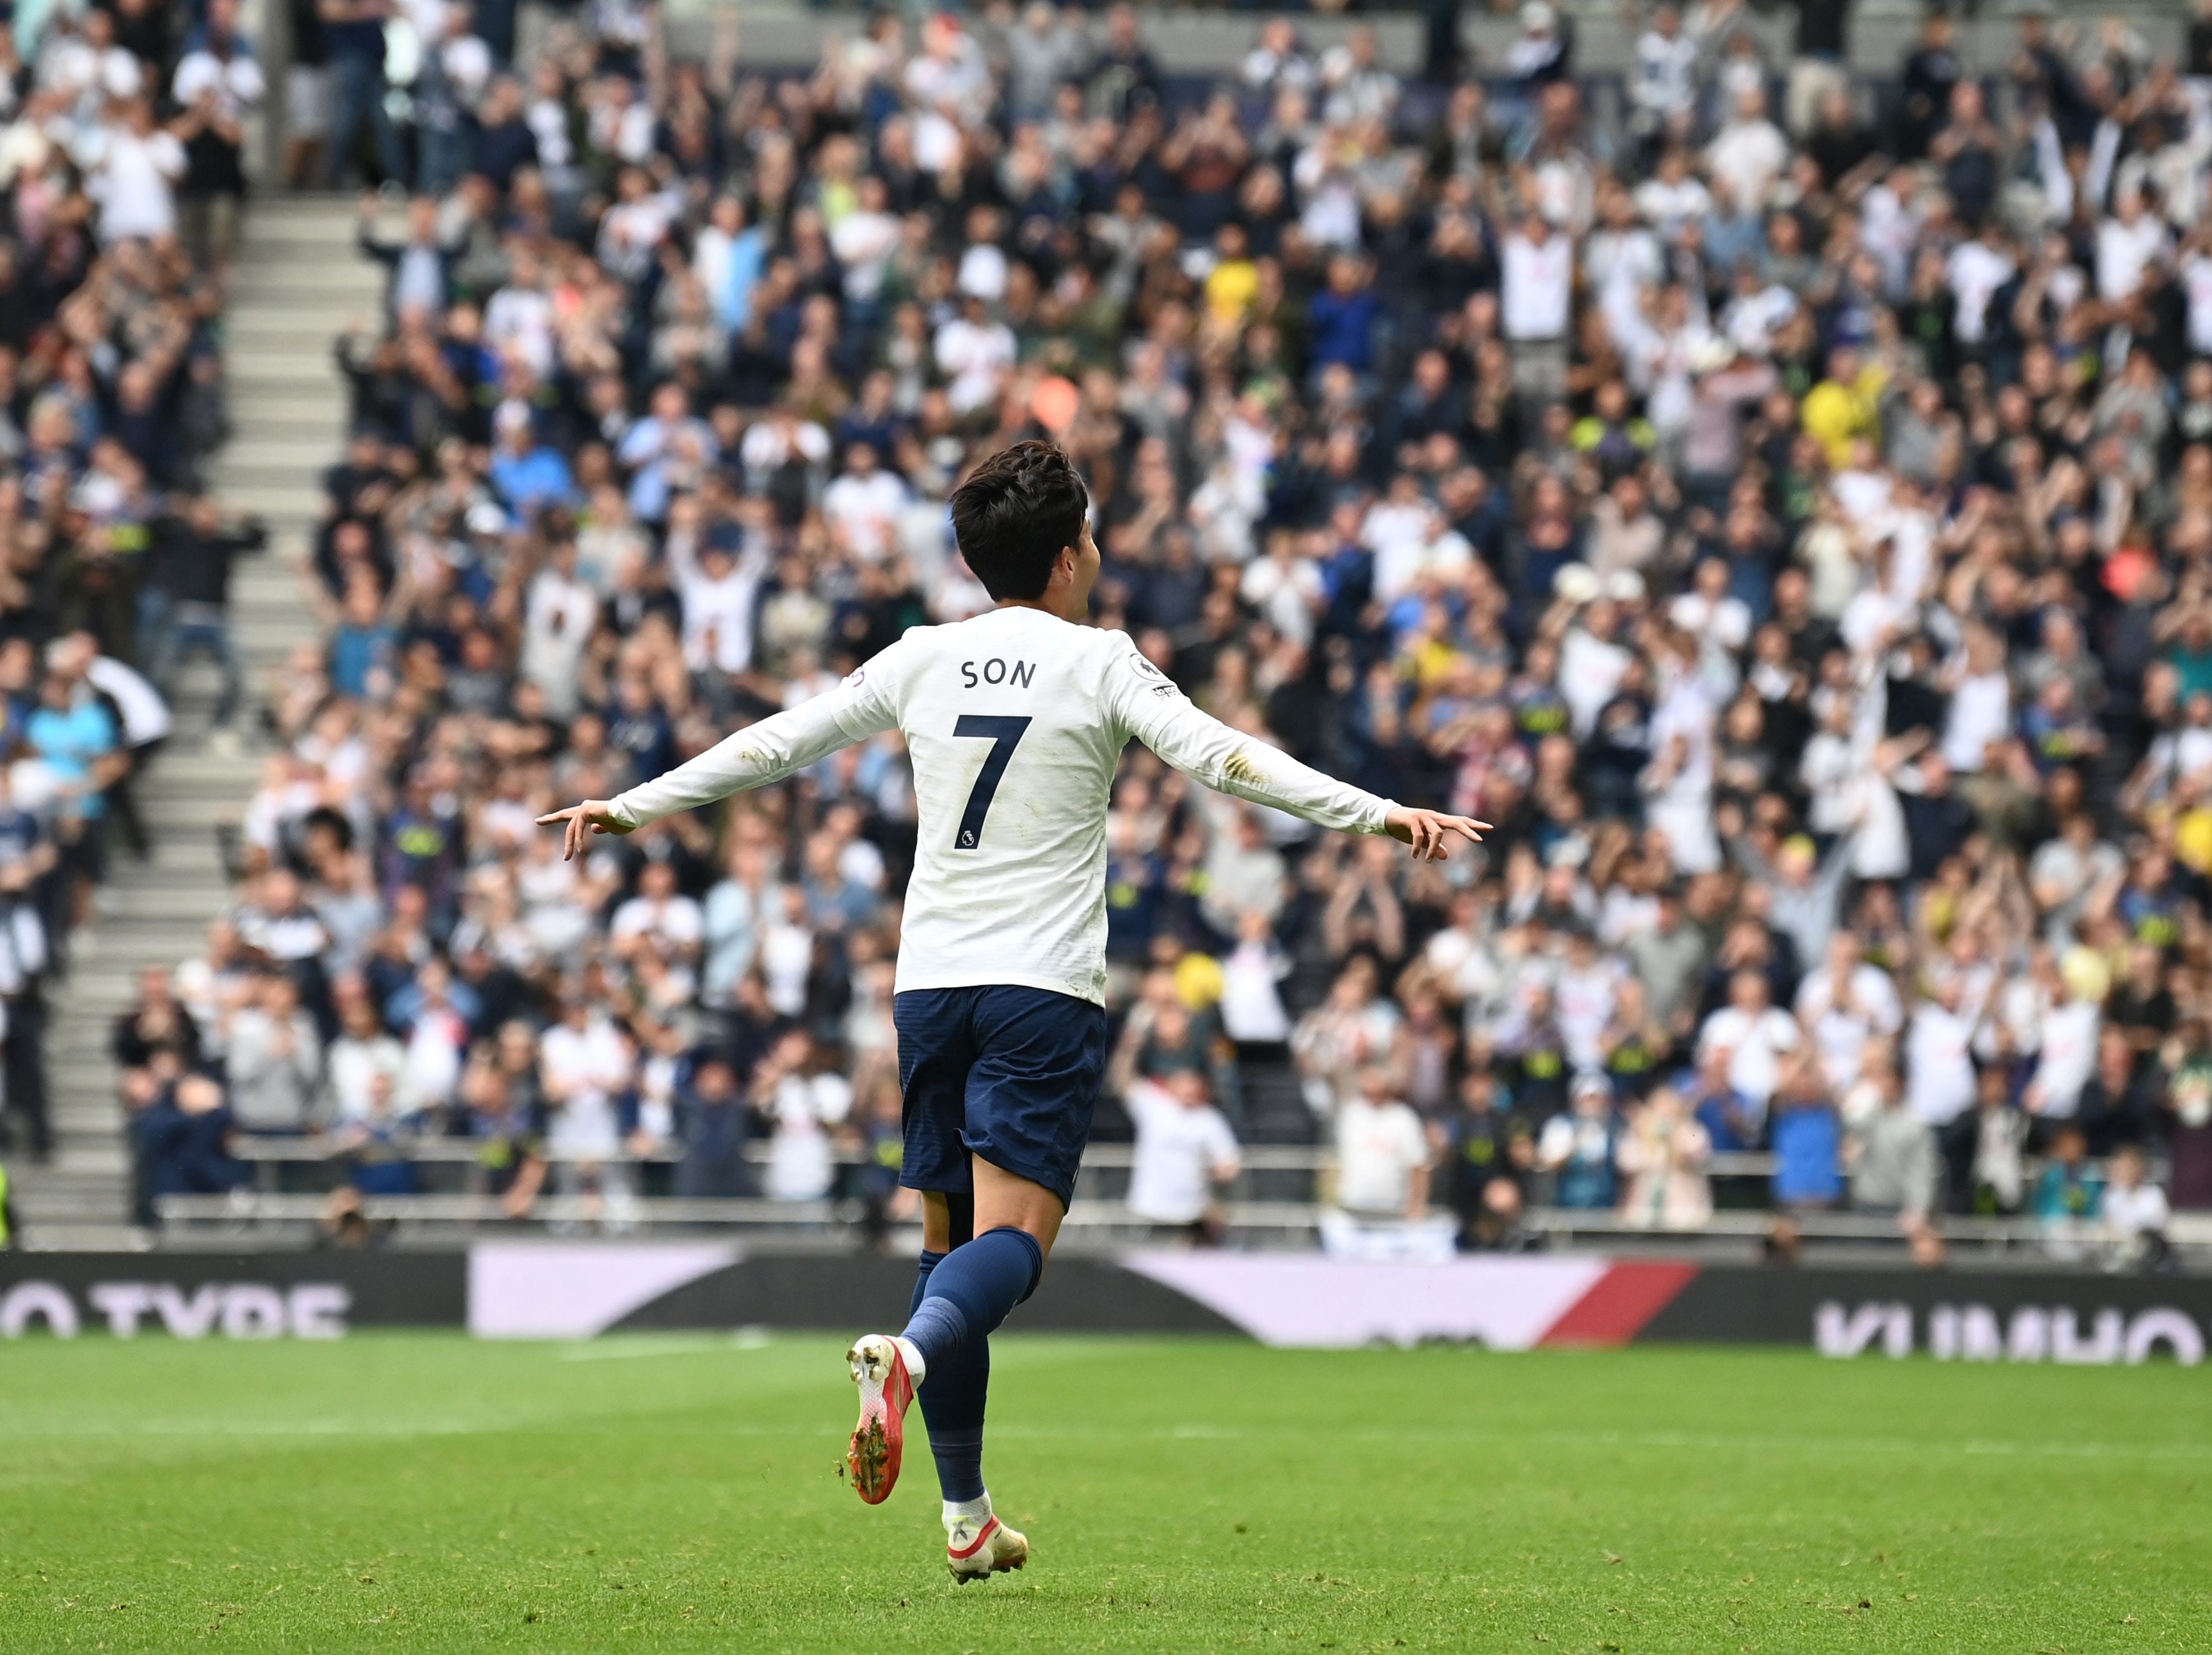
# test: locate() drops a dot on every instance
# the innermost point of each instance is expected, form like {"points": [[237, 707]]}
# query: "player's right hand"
{"points": [[1430, 832], [579, 822]]}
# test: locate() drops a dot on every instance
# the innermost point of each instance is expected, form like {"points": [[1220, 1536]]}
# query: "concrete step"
{"points": [[251, 364], [86, 1238], [326, 425], [185, 904], [286, 396], [263, 414], [310, 285], [86, 1103], [300, 235], [283, 472], [299, 282], [77, 1164], [39, 1206], [294, 504], [312, 288], [305, 450], [279, 329]]}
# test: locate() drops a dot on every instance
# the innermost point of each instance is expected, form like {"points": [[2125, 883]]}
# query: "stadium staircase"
{"points": [[297, 283]]}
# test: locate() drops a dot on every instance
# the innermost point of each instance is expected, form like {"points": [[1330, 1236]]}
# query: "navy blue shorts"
{"points": [[1009, 1074]]}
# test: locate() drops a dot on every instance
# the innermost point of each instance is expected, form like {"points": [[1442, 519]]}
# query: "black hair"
{"points": [[1015, 514]]}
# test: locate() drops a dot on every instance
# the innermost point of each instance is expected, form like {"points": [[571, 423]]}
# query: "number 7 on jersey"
{"points": [[1003, 734]]}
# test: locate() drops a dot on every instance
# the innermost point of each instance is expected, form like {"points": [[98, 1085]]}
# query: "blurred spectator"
{"points": [[25, 963], [156, 1028], [218, 83], [365, 1064], [1581, 1149], [1808, 1140], [352, 36], [1663, 1153], [801, 1100], [2068, 1196], [373, 1145], [192, 555], [133, 168], [1891, 1154], [1186, 1153], [181, 1138], [587, 1066], [1485, 1157], [715, 1126], [275, 1060], [2135, 1214], [1382, 1155]]}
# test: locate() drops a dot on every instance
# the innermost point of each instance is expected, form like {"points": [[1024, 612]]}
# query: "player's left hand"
{"points": [[579, 822], [1430, 832]]}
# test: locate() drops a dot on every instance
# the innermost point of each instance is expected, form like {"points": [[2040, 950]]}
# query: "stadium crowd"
{"points": [[121, 175], [1789, 522]]}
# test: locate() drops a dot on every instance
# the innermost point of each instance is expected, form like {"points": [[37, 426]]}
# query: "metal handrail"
{"points": [[255, 1206], [1256, 1157]]}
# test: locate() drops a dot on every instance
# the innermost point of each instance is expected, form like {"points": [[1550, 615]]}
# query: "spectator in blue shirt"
{"points": [[1729, 1118], [75, 735], [1581, 1149], [528, 475], [1343, 316], [363, 645], [2069, 1189], [1808, 1140]]}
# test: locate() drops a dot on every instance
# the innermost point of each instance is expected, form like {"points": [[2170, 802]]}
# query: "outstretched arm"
{"points": [[1164, 718], [755, 756]]}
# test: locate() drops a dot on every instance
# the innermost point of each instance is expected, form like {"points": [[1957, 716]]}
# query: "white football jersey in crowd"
{"points": [[1014, 720]]}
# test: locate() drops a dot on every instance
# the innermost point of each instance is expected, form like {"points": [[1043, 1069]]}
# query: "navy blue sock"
{"points": [[929, 1262], [971, 1290], [952, 1399], [968, 1293]]}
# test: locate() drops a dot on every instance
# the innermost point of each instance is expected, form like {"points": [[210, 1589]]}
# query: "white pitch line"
{"points": [[1188, 1431], [622, 1346]]}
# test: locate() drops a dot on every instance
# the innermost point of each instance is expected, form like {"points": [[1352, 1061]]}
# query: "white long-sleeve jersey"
{"points": [[1014, 720]]}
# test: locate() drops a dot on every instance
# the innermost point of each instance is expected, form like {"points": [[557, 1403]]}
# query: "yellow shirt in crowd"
{"points": [[1838, 415]]}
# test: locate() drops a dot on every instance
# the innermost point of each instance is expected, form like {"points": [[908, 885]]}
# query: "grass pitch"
{"points": [[425, 1492]]}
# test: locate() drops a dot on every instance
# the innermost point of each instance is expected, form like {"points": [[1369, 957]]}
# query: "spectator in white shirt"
{"points": [[559, 613], [1252, 1013], [802, 1098], [364, 1063], [2066, 1053], [721, 595], [1939, 1058], [660, 917], [1755, 1033], [2129, 243], [2134, 1214], [865, 239], [863, 506], [1537, 281], [1185, 1152], [1844, 1005], [1382, 1152], [81, 61], [131, 169], [972, 351], [584, 1062], [1746, 156]]}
